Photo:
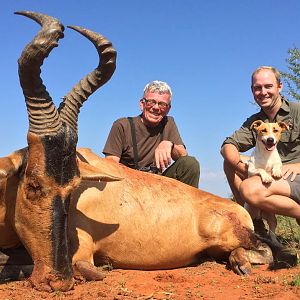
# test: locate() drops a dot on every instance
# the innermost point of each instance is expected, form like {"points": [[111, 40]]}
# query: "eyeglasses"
{"points": [[152, 102]]}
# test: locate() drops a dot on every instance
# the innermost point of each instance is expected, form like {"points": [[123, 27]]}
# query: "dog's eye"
{"points": [[264, 130], [275, 130]]}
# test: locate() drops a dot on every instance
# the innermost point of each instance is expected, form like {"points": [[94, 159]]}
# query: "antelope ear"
{"points": [[256, 124], [89, 172], [283, 125], [7, 168], [12, 163]]}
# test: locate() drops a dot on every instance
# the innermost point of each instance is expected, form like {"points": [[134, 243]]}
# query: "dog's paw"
{"points": [[266, 178], [277, 172]]}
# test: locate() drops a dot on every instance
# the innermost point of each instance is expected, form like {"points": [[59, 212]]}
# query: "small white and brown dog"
{"points": [[265, 162]]}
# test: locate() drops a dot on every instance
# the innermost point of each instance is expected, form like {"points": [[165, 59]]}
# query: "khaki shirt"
{"points": [[288, 146], [119, 141]]}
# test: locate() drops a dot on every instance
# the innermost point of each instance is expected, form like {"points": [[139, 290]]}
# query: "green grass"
{"points": [[288, 232], [296, 280]]}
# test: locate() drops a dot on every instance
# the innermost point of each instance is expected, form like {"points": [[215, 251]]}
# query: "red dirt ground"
{"points": [[210, 280]]}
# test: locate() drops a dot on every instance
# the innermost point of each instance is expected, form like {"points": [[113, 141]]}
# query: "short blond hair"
{"points": [[272, 69]]}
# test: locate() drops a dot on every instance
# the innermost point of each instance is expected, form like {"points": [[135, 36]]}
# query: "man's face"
{"points": [[265, 88], [154, 107]]}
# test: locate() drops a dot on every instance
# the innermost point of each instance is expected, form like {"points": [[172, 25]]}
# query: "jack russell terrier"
{"points": [[265, 162]]}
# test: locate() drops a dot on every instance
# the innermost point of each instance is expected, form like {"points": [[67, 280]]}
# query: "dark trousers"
{"points": [[185, 169]]}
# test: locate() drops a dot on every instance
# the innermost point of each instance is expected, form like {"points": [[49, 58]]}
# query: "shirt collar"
{"points": [[283, 110], [285, 105]]}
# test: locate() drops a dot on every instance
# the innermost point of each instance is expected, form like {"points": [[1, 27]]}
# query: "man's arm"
{"points": [[171, 148], [178, 151], [232, 156], [114, 143]]}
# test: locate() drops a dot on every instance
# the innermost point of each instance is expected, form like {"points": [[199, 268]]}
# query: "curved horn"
{"points": [[43, 115], [69, 108]]}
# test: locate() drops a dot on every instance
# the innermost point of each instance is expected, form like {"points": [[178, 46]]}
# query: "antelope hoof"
{"points": [[239, 262], [89, 271]]}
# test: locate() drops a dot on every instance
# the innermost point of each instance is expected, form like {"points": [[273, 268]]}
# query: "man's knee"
{"points": [[190, 164], [250, 193], [187, 170]]}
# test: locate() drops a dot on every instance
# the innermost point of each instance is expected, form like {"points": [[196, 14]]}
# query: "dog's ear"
{"points": [[256, 124], [283, 125]]}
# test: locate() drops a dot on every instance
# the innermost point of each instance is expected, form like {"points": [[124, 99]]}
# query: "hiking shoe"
{"points": [[259, 228], [284, 258]]}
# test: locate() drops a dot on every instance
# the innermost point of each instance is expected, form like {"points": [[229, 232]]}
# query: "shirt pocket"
{"points": [[290, 135]]}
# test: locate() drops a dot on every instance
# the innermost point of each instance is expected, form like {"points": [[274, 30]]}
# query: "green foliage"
{"points": [[296, 280], [292, 77], [288, 231]]}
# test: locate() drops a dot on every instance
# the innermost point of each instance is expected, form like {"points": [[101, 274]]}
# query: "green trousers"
{"points": [[185, 169]]}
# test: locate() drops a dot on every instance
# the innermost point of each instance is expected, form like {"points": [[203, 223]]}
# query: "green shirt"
{"points": [[288, 146]]}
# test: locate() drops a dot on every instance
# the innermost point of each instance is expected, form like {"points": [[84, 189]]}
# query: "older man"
{"points": [[151, 142], [282, 196]]}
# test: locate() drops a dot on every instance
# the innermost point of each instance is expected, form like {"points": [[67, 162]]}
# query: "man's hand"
{"points": [[289, 169], [241, 168], [163, 155]]}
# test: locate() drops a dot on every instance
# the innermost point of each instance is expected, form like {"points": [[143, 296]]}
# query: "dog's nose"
{"points": [[270, 140]]}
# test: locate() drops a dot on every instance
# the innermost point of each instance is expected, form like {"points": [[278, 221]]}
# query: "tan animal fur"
{"points": [[146, 221]]}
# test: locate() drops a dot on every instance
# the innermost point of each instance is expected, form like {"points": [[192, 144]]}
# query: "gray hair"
{"points": [[272, 69], [159, 87]]}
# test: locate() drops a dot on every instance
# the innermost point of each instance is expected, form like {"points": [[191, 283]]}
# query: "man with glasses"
{"points": [[151, 142]]}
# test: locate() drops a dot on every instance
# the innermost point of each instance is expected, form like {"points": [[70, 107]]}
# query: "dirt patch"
{"points": [[209, 280]]}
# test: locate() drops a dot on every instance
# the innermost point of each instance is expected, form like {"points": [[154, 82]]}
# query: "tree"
{"points": [[292, 77]]}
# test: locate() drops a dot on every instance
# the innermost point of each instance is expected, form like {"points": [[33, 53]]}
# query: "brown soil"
{"points": [[210, 280]]}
